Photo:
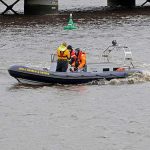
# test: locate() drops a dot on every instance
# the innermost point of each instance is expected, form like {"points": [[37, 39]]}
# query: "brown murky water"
{"points": [[111, 115]]}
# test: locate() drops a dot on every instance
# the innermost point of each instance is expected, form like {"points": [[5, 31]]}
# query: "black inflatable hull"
{"points": [[40, 76]]}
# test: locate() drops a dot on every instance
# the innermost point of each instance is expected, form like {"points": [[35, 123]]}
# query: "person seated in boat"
{"points": [[79, 63], [63, 55]]}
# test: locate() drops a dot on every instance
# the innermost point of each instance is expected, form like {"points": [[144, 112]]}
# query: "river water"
{"points": [[111, 115]]}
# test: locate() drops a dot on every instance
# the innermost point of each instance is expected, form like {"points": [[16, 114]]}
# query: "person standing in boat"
{"points": [[79, 62], [72, 54], [63, 55]]}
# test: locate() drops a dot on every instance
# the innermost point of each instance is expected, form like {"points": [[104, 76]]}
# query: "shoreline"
{"points": [[109, 10], [62, 16]]}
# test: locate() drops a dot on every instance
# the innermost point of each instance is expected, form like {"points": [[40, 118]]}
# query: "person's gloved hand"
{"points": [[71, 70], [76, 69]]}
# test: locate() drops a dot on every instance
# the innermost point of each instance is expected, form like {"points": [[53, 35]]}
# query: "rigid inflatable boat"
{"points": [[105, 70], [36, 76]]}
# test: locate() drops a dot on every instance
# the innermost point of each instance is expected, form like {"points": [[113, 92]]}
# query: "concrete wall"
{"points": [[37, 7], [123, 3]]}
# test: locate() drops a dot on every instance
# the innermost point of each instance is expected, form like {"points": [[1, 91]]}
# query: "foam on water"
{"points": [[133, 79]]}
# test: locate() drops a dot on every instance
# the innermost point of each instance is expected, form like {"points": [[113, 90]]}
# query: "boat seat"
{"points": [[128, 55]]}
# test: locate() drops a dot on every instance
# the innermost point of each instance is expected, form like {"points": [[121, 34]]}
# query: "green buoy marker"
{"points": [[71, 25]]}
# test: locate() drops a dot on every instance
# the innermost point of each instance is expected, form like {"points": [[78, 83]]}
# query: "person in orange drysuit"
{"points": [[79, 62]]}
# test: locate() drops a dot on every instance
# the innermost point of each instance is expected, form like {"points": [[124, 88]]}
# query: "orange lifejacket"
{"points": [[73, 55], [80, 60]]}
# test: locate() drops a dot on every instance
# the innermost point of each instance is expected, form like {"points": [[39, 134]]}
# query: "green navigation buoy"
{"points": [[71, 25]]}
